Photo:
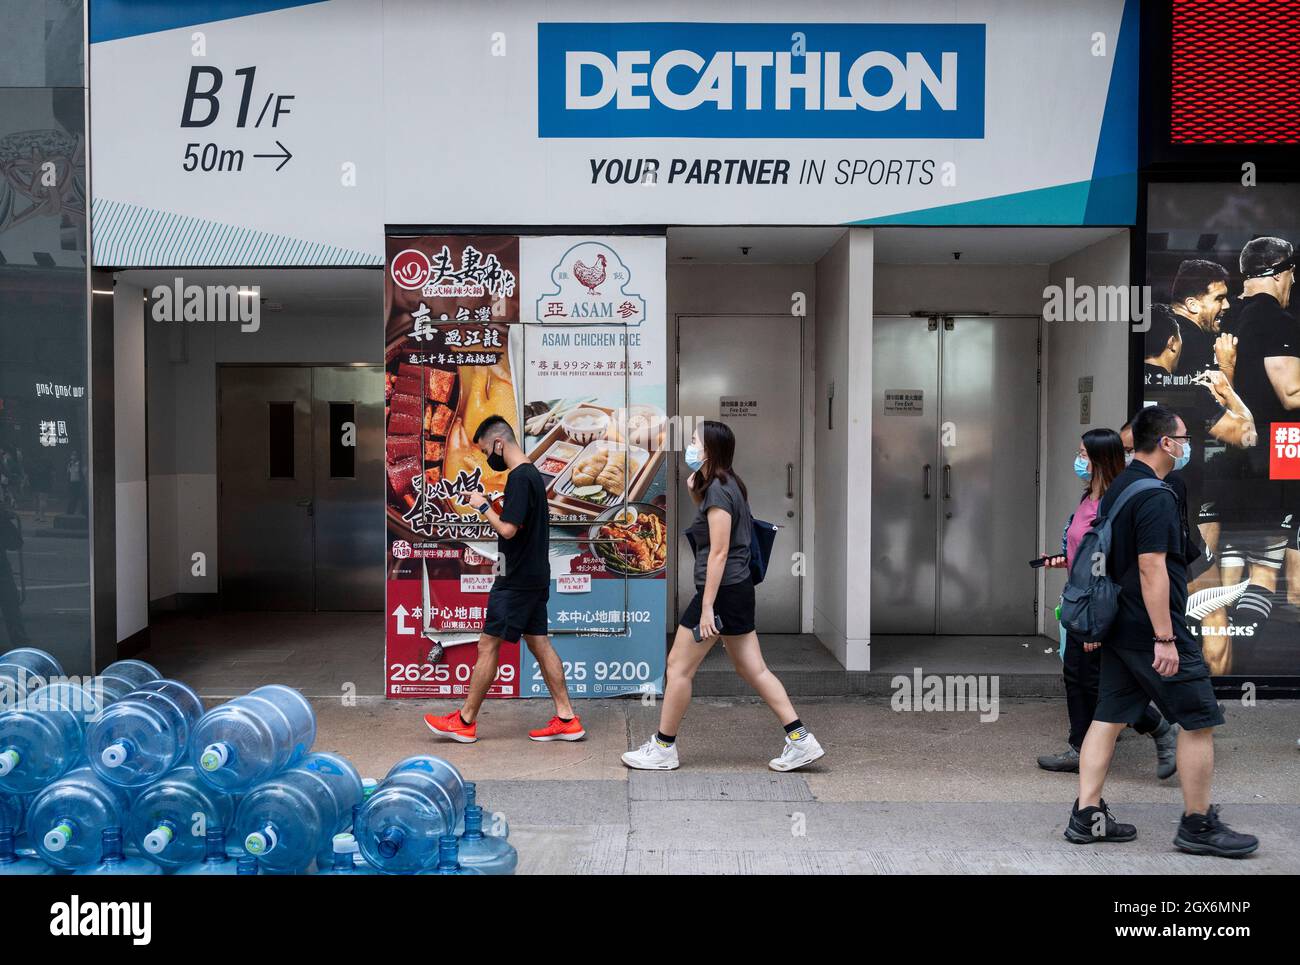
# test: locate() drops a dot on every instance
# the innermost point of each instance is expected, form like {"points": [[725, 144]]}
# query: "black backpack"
{"points": [[1090, 599]]}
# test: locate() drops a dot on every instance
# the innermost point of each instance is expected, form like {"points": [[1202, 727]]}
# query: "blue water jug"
{"points": [[346, 858], [421, 799], [68, 817], [491, 855], [287, 821], [123, 676], [171, 818], [113, 860], [11, 863], [246, 865], [449, 859], [24, 670], [13, 808], [215, 859], [141, 737], [325, 859], [494, 822], [41, 740], [251, 738]]}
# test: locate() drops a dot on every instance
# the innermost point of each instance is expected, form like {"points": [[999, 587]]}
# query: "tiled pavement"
{"points": [[896, 792]]}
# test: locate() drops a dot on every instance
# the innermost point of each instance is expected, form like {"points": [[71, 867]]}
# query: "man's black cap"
{"points": [[1264, 257]]}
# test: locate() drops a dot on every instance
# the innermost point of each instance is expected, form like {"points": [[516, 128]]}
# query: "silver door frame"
{"points": [[220, 366], [941, 316], [674, 483], [950, 321]]}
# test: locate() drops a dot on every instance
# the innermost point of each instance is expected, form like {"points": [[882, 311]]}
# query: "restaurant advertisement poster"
{"points": [[565, 338]]}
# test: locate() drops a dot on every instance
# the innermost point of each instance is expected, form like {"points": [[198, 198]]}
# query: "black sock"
{"points": [[795, 730], [664, 739], [462, 718], [565, 720], [1254, 608]]}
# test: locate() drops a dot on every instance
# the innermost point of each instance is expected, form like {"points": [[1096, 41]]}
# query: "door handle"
{"points": [[947, 482], [925, 480], [307, 504], [789, 480]]}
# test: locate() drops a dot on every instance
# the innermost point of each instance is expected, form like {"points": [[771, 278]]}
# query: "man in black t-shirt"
{"points": [[517, 602], [1149, 654]]}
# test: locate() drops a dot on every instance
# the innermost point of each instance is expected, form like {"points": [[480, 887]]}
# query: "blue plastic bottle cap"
{"points": [[8, 761]]}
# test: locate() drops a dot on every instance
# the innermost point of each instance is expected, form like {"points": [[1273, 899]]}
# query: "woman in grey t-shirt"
{"points": [[721, 531]]}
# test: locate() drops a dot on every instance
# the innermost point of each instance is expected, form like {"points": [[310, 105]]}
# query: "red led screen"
{"points": [[1235, 71]]}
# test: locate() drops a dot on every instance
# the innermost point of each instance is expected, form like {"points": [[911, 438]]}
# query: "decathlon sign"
{"points": [[760, 80]]}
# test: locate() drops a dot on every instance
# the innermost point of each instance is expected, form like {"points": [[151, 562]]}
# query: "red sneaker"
{"points": [[558, 730], [452, 726]]}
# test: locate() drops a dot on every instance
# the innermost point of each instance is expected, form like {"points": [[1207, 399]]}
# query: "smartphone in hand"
{"points": [[700, 637]]}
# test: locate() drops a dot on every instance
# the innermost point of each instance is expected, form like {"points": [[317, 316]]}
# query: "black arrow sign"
{"points": [[286, 155]]}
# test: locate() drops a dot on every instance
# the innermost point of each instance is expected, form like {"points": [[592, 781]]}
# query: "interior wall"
{"points": [[1002, 289], [182, 369], [841, 570], [130, 466], [710, 289], [1072, 350]]}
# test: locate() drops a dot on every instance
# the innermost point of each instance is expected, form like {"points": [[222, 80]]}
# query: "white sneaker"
{"points": [[797, 754], [652, 756]]}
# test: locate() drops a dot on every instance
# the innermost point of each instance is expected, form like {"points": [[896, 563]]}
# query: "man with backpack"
{"points": [[1127, 593]]}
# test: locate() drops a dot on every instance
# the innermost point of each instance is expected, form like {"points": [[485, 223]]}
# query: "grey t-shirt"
{"points": [[725, 496]]}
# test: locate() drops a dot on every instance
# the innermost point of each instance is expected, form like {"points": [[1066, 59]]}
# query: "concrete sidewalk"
{"points": [[896, 792]]}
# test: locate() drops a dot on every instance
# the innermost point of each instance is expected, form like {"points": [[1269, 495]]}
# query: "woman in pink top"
{"points": [[1099, 460]]}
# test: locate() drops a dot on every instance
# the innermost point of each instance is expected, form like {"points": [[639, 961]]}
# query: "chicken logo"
{"points": [[590, 276], [590, 282]]}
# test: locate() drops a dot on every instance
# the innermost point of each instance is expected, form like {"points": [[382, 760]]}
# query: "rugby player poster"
{"points": [[1223, 351], [585, 386]]}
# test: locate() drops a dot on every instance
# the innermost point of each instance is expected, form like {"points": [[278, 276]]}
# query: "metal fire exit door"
{"points": [[746, 371], [954, 474], [300, 480]]}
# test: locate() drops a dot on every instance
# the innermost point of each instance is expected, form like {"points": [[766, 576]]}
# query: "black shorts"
{"points": [[512, 612], [1129, 682], [1291, 526], [734, 608]]}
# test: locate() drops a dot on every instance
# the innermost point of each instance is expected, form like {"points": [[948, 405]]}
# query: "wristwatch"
{"points": [[483, 510]]}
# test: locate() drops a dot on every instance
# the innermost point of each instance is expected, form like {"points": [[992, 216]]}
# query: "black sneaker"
{"points": [[1206, 834], [1067, 760], [1096, 825]]}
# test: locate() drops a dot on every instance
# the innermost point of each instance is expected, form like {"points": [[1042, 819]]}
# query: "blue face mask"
{"points": [[1180, 462], [1082, 468], [694, 456]]}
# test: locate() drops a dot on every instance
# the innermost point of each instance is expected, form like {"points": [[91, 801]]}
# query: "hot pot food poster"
{"points": [[565, 338]]}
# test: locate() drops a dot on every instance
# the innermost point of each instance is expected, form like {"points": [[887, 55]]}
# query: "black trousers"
{"points": [[1082, 671]]}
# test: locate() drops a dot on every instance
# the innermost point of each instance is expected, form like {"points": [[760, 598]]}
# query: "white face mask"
{"points": [[1128, 458]]}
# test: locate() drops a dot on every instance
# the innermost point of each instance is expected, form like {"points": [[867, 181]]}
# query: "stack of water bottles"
{"points": [[127, 775]]}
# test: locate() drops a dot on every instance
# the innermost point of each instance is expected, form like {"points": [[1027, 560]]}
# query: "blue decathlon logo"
{"points": [[858, 80]]}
